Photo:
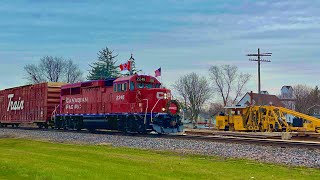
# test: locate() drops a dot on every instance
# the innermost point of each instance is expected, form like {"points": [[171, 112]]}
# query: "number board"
{"points": [[143, 79]]}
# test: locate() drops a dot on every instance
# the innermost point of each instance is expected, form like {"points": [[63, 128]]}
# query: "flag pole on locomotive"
{"points": [[130, 61], [158, 73]]}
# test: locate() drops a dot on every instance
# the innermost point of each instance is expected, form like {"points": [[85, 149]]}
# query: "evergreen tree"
{"points": [[105, 66]]}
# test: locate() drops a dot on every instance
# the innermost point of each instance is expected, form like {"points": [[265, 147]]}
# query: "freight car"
{"points": [[135, 103], [29, 104]]}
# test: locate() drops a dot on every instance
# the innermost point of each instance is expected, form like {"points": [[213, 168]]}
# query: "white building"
{"points": [[287, 99]]}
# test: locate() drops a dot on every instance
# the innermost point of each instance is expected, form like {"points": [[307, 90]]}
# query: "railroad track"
{"points": [[209, 138], [270, 142]]}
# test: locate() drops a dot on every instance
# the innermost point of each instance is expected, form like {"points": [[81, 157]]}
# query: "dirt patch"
{"points": [[7, 136]]}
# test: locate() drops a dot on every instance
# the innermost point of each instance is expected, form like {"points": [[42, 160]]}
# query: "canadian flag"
{"points": [[125, 66]]}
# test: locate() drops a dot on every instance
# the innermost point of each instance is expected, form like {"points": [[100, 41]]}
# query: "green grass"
{"points": [[28, 159]]}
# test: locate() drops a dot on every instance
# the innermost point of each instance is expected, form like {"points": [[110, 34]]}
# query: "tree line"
{"points": [[306, 98], [59, 69]]}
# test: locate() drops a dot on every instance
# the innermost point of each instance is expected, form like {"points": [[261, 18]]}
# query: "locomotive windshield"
{"points": [[147, 85], [135, 82]]}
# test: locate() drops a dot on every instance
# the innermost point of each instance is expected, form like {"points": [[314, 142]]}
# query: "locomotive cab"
{"points": [[145, 96]]}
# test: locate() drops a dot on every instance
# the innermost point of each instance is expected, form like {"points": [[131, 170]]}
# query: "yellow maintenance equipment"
{"points": [[264, 119]]}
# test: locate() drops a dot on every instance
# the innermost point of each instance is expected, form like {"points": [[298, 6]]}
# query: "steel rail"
{"points": [[211, 138]]}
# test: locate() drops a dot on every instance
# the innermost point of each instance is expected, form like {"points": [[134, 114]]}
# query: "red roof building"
{"points": [[262, 99]]}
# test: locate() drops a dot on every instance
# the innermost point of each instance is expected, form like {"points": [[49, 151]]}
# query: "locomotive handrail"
{"points": [[153, 109], [145, 114], [54, 112]]}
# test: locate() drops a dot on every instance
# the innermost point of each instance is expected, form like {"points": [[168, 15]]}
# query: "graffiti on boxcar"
{"points": [[15, 105]]}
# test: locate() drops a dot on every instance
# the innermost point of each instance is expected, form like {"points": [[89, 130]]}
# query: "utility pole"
{"points": [[259, 60]]}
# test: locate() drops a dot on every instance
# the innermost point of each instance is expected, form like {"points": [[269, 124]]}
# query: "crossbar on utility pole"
{"points": [[259, 60]]}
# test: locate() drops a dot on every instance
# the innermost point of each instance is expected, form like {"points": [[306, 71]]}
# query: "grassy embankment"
{"points": [[27, 159]]}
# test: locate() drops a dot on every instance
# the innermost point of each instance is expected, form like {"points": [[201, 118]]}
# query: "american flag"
{"points": [[158, 72]]}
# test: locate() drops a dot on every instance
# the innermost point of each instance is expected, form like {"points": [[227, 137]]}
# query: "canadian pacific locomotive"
{"points": [[135, 103]]}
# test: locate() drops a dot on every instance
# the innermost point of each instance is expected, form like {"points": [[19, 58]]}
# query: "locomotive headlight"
{"points": [[163, 109], [165, 96]]}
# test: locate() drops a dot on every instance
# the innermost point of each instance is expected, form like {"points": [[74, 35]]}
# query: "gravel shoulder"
{"points": [[289, 156]]}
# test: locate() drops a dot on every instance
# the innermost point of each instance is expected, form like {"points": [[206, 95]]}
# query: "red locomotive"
{"points": [[135, 103]]}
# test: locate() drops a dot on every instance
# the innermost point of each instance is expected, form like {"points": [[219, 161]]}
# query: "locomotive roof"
{"points": [[124, 78], [106, 82], [132, 77]]}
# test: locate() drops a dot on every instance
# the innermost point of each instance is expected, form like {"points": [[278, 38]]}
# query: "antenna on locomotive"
{"points": [[131, 60]]}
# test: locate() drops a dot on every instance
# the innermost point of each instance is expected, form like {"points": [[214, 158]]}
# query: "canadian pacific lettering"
{"points": [[75, 103]]}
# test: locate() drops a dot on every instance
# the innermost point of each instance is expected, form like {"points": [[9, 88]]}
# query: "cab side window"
{"points": [[123, 87], [120, 87], [131, 86], [115, 87]]}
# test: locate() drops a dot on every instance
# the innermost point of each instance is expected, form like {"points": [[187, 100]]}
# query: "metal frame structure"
{"points": [[264, 119]]}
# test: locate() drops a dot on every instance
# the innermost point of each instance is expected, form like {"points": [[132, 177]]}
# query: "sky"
{"points": [[181, 36]]}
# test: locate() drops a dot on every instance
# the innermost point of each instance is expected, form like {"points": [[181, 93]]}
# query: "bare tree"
{"points": [[33, 73], [53, 69], [72, 72], [303, 100], [215, 108], [228, 82], [195, 91]]}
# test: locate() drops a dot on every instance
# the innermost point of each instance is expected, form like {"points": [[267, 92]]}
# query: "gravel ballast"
{"points": [[293, 156]]}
